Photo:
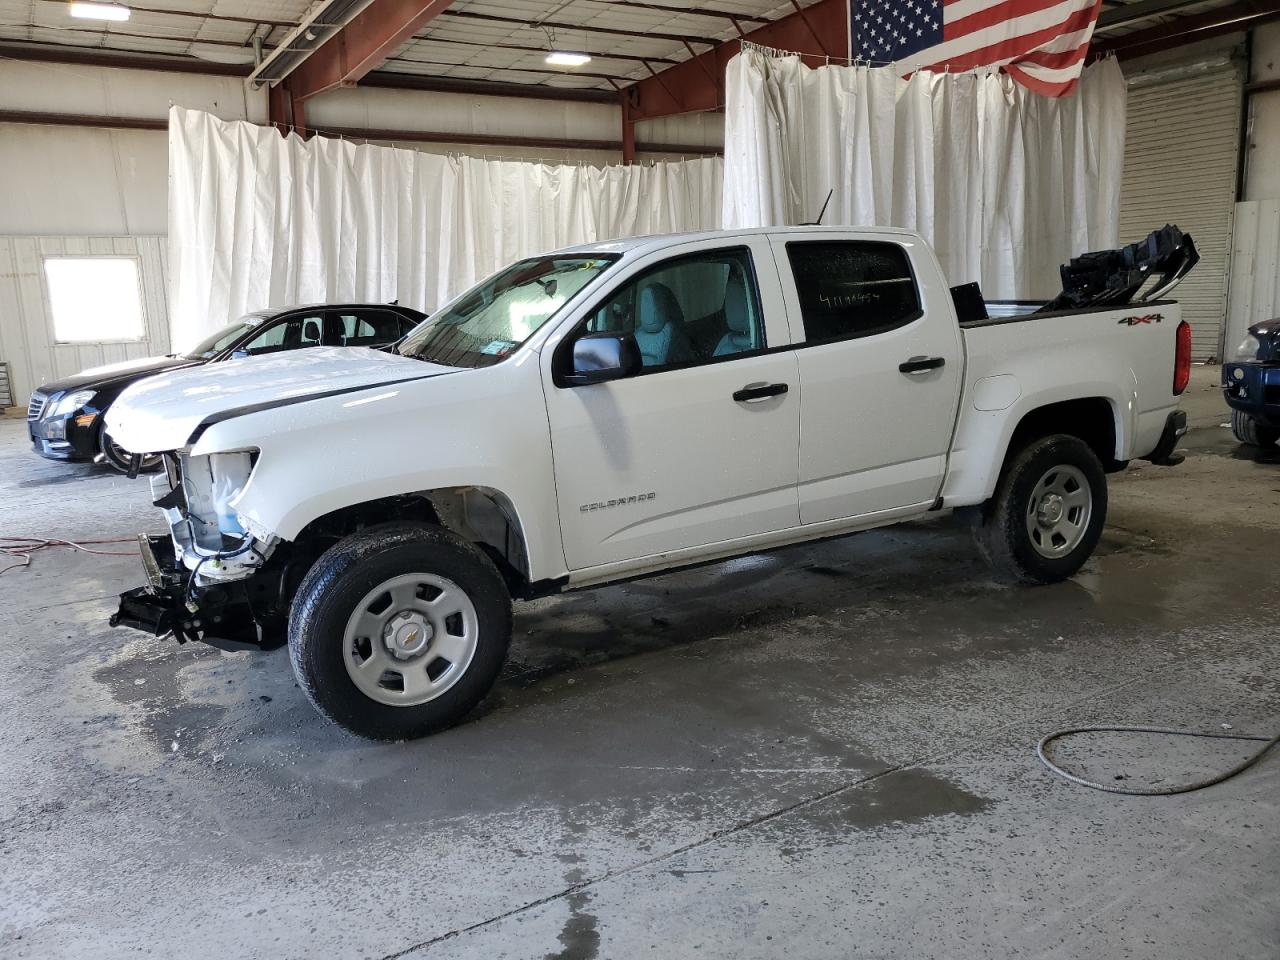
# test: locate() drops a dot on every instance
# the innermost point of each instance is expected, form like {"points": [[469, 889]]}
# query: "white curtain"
{"points": [[1006, 184], [258, 220]]}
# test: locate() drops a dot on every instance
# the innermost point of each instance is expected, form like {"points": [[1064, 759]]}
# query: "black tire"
{"points": [[1002, 529], [346, 573], [1250, 431], [115, 455]]}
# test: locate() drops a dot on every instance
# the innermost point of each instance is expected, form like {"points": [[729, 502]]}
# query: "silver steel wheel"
{"points": [[410, 639], [1059, 510]]}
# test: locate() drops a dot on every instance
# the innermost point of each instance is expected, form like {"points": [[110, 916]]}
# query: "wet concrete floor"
{"points": [[823, 752]]}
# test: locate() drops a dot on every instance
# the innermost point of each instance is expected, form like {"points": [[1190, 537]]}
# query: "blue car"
{"points": [[1251, 382]]}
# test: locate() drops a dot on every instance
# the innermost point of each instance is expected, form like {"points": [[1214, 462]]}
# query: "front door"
{"points": [[679, 456], [881, 361]]}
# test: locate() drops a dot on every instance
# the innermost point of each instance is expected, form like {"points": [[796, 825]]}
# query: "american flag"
{"points": [[1040, 43]]}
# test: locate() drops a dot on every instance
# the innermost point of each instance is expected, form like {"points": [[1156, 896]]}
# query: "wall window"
{"points": [[852, 288], [689, 310], [94, 299]]}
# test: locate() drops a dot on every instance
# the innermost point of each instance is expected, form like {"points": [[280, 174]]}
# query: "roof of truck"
{"points": [[658, 241]]}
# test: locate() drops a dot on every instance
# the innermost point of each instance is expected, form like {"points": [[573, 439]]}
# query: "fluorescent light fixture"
{"points": [[563, 58], [99, 11]]}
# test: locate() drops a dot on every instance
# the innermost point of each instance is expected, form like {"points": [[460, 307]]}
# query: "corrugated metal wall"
{"points": [[26, 325], [1255, 268], [1180, 164]]}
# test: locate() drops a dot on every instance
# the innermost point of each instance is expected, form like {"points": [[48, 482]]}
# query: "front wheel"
{"points": [[400, 630], [1250, 431], [118, 457], [1047, 513]]}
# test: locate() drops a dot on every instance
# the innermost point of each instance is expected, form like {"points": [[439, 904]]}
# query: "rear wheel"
{"points": [[119, 457], [1248, 430], [1047, 513], [399, 631]]}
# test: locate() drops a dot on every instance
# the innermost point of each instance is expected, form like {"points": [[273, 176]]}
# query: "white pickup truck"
{"points": [[622, 409]]}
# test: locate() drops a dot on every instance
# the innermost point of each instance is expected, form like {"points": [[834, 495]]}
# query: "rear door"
{"points": [[880, 358], [362, 327], [678, 455]]}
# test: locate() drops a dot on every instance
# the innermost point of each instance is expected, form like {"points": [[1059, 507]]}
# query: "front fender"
{"points": [[486, 429]]}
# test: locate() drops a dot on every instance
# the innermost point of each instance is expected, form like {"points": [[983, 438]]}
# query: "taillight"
{"points": [[1182, 359]]}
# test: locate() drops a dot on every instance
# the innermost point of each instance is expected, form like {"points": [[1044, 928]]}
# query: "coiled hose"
{"points": [[1043, 754]]}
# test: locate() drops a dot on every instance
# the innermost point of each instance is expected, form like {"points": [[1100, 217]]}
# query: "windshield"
{"points": [[213, 345], [487, 323]]}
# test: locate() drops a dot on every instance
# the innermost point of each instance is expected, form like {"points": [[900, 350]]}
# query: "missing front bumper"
{"points": [[220, 616]]}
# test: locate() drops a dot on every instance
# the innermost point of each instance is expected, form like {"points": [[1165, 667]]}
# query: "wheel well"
{"points": [[481, 515], [1091, 419]]}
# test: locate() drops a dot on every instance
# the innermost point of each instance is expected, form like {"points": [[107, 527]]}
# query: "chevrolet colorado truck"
{"points": [[626, 408]]}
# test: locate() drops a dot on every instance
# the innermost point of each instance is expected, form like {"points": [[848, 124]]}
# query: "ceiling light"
{"points": [[563, 58], [99, 11]]}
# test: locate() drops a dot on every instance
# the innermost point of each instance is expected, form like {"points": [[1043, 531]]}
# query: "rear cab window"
{"points": [[852, 288]]}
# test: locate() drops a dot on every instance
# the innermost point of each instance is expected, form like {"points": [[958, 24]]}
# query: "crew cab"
{"points": [[621, 409]]}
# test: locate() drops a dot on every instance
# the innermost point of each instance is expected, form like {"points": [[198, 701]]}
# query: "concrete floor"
{"points": [[827, 752]]}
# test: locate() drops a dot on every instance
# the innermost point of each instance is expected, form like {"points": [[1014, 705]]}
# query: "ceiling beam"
{"points": [[686, 11], [42, 118], [817, 32], [1188, 29], [485, 88], [193, 14], [1139, 10], [362, 45], [579, 28], [37, 51], [524, 48]]}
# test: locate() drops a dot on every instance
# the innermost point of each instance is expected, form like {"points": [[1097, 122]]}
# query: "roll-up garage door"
{"points": [[1181, 149]]}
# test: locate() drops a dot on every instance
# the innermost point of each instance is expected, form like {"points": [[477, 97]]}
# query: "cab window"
{"points": [[289, 335], [694, 309], [852, 288]]}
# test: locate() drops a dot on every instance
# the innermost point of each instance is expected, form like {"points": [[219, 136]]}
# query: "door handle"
{"points": [[760, 391], [916, 365]]}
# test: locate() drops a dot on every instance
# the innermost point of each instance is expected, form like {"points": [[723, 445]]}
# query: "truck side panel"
{"points": [[1123, 356]]}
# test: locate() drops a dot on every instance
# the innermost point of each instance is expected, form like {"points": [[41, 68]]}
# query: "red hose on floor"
{"points": [[21, 548]]}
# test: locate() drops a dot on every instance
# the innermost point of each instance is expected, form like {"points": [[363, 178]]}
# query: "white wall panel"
{"points": [[1255, 268], [115, 92], [65, 181], [27, 340]]}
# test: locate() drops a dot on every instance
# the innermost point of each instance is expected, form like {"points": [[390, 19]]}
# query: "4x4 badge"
{"points": [[1134, 321]]}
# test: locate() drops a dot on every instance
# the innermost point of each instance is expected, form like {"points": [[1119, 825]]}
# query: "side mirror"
{"points": [[239, 354], [598, 357]]}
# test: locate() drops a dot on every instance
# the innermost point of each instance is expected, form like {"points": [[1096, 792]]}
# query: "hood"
{"points": [[162, 412], [114, 374]]}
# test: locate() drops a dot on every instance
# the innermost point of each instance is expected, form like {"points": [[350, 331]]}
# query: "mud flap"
{"points": [[1175, 428]]}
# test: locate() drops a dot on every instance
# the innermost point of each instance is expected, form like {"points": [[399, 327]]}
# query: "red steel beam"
{"points": [[366, 42], [692, 85]]}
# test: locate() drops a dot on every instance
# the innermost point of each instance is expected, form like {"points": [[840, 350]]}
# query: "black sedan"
{"points": [[65, 417]]}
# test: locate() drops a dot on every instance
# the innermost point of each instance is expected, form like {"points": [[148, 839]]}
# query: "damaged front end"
{"points": [[211, 579]]}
